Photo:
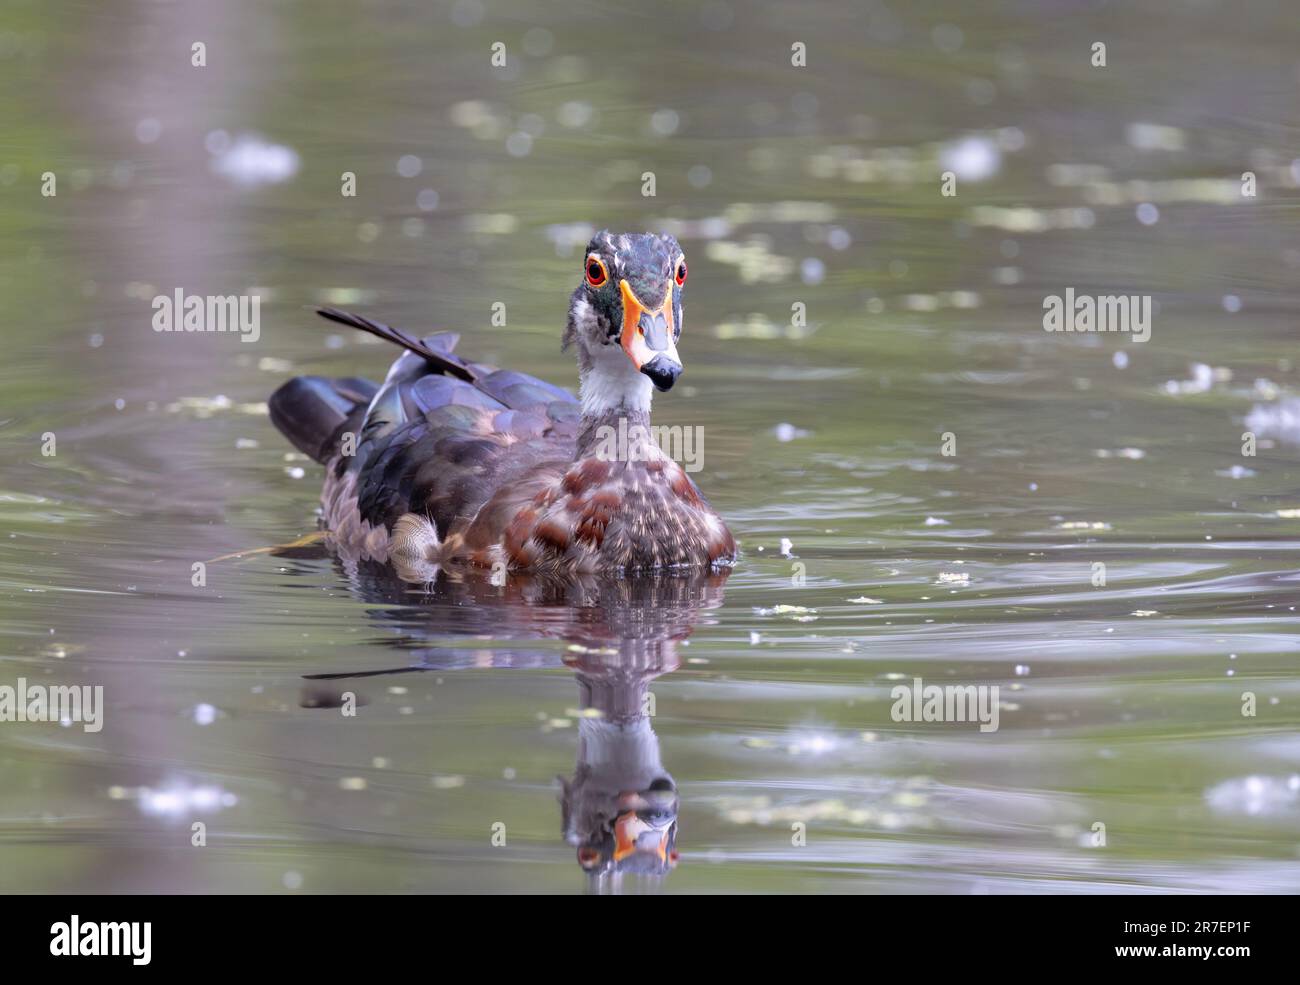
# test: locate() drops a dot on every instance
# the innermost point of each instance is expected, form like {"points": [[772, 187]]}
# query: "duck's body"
{"points": [[456, 463]]}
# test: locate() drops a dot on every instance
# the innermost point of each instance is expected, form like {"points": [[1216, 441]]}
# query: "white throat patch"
{"points": [[613, 382]]}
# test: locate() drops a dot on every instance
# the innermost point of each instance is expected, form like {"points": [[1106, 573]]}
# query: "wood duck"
{"points": [[450, 462]]}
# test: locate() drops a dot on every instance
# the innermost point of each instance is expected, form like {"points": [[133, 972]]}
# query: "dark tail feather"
{"points": [[442, 361], [313, 412]]}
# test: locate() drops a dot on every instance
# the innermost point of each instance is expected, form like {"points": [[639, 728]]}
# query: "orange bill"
{"points": [[647, 333]]}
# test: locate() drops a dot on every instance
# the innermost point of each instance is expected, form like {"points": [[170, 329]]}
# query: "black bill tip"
{"points": [[663, 372]]}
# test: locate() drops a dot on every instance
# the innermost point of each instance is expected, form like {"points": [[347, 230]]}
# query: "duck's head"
{"points": [[625, 318], [621, 831]]}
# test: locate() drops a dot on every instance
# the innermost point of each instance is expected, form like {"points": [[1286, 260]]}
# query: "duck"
{"points": [[450, 463]]}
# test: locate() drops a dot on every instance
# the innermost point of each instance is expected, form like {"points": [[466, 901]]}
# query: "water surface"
{"points": [[869, 556]]}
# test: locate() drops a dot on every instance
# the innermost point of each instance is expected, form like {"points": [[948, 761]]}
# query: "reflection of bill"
{"points": [[619, 808]]}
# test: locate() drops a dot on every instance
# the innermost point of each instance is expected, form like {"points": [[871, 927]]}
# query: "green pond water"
{"points": [[846, 324]]}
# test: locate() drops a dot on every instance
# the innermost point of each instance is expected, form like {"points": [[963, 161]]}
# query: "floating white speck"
{"points": [[179, 800], [1203, 377], [250, 161], [1255, 796], [864, 600], [812, 271], [1276, 420], [664, 122], [934, 521], [204, 714], [819, 744], [953, 578], [1236, 472], [973, 158], [794, 611], [1143, 613]]}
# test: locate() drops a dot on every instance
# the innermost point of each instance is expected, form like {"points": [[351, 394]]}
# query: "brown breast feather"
{"points": [[599, 515]]}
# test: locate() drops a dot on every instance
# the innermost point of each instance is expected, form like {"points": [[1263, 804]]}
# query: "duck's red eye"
{"points": [[681, 272], [595, 272]]}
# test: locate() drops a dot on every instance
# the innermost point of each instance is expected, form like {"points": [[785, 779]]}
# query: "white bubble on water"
{"points": [[250, 161], [1255, 796], [973, 158], [664, 122], [180, 799]]}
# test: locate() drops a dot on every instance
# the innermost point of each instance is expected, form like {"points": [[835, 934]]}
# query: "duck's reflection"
{"points": [[619, 808]]}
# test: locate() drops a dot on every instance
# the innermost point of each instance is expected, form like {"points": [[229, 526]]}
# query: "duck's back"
{"points": [[424, 441]]}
